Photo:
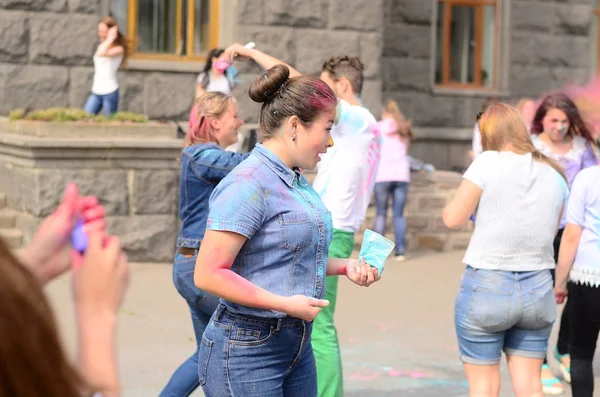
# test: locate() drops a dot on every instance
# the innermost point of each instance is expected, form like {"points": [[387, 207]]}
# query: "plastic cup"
{"points": [[375, 249]]}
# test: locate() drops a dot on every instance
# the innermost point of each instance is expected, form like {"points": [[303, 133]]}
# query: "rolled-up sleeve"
{"points": [[237, 205]]}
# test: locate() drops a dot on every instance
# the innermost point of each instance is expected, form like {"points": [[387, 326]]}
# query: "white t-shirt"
{"points": [[584, 210], [346, 173], [105, 74], [216, 84], [517, 215]]}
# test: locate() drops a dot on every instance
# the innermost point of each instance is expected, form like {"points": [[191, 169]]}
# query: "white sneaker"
{"points": [[400, 258]]}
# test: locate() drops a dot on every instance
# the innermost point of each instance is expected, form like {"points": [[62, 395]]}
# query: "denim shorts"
{"points": [[506, 311]]}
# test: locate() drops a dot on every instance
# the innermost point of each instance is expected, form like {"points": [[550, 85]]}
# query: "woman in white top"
{"points": [[579, 264], [506, 301], [111, 52], [215, 76]]}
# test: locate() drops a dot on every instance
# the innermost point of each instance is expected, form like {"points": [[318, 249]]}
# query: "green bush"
{"points": [[16, 114], [72, 114]]}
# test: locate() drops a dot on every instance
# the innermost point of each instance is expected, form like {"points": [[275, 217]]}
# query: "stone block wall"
{"points": [[46, 50], [306, 33], [425, 230], [136, 180], [549, 46]]}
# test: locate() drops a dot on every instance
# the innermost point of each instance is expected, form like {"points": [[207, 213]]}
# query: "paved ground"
{"points": [[397, 336]]}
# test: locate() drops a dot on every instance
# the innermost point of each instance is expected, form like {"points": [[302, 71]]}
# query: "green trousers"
{"points": [[324, 336]]}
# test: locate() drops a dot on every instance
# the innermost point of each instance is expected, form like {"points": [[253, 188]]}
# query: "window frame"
{"points": [[479, 5], [213, 39], [596, 11]]}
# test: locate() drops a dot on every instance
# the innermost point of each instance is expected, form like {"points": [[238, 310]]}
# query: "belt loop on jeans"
{"points": [[219, 312]]}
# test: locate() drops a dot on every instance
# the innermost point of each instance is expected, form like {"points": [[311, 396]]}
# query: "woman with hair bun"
{"points": [[265, 249]]}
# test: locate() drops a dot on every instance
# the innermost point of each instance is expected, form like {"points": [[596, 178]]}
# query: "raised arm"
{"points": [[106, 48], [264, 60]]}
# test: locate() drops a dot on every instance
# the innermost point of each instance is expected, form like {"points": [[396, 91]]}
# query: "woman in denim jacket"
{"points": [[265, 249], [204, 163]]}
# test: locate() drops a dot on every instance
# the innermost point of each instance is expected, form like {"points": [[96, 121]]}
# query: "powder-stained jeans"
{"points": [[247, 356], [506, 311]]}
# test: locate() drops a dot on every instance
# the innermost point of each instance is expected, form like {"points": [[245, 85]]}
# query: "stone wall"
{"points": [[548, 46], [135, 179], [306, 33], [46, 50], [425, 230]]}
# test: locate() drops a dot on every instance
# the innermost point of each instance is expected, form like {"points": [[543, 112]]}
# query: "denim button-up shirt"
{"points": [[288, 227], [203, 166]]}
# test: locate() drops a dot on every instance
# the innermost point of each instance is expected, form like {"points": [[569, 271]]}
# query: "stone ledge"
{"points": [[83, 130]]}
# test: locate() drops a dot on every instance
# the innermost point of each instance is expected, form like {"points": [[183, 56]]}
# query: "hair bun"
{"points": [[269, 83]]}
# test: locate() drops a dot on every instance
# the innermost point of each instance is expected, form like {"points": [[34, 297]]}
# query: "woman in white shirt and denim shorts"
{"points": [[506, 301]]}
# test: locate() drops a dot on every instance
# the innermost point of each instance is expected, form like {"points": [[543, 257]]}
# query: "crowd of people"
{"points": [[260, 249]]}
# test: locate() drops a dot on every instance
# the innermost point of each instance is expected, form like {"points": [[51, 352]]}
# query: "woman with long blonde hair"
{"points": [[506, 301], [393, 175]]}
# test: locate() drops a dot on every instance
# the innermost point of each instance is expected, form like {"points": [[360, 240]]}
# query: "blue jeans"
{"points": [[398, 191], [109, 103], [202, 305], [247, 356], [506, 311]]}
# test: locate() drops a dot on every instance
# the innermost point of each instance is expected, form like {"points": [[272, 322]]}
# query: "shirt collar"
{"points": [[274, 163]]}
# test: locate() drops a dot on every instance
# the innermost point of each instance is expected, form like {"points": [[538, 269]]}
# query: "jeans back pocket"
{"points": [[544, 304], [489, 309]]}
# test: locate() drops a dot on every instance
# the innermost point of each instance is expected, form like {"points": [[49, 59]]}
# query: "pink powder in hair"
{"points": [[199, 131]]}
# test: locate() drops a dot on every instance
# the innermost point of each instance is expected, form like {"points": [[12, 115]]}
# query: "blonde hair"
{"points": [[522, 102], [211, 104], [404, 126], [501, 125]]}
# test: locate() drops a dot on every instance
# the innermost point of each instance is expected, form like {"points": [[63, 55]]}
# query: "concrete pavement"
{"points": [[397, 336]]}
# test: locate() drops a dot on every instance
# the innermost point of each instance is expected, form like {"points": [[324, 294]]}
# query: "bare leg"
{"points": [[525, 374], [484, 380]]}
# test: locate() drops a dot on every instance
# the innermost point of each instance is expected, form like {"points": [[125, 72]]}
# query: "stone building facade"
{"points": [[46, 49]]}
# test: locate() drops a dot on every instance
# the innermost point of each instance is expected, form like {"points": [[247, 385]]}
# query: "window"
{"points": [[467, 43], [596, 37], [169, 29]]}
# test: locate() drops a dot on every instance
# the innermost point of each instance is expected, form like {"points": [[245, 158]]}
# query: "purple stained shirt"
{"points": [[580, 156]]}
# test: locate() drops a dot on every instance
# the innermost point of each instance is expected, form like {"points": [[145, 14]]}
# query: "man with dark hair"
{"points": [[345, 181]]}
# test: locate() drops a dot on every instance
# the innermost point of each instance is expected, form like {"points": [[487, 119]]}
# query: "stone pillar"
{"points": [[135, 178]]}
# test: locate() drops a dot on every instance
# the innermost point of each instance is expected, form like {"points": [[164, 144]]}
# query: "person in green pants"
{"points": [[345, 181]]}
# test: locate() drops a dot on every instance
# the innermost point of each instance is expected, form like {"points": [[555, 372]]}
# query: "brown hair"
{"points": [[501, 125], [32, 360], [577, 126], [349, 67], [120, 40], [404, 126], [209, 105], [303, 96]]}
